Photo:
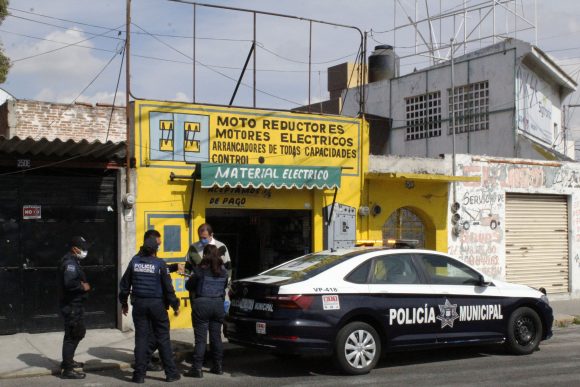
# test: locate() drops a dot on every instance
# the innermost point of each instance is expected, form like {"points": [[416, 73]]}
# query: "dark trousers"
{"points": [[150, 314], [74, 332], [208, 314]]}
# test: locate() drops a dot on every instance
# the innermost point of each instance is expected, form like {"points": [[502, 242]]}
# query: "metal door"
{"points": [[47, 211]]}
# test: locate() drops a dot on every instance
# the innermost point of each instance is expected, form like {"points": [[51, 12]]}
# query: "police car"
{"points": [[357, 304]]}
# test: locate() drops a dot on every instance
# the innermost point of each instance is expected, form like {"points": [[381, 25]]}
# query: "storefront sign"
{"points": [[267, 176], [31, 212], [176, 133]]}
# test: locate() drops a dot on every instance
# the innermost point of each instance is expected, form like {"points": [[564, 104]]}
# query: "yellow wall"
{"points": [[171, 137], [427, 199]]}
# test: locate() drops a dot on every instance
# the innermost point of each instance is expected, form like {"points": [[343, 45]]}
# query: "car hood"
{"points": [[509, 289]]}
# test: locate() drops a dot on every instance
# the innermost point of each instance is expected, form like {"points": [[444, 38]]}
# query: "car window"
{"points": [[308, 266], [360, 275], [394, 269], [446, 271]]}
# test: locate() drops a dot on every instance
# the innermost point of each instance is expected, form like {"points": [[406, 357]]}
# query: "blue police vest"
{"points": [[146, 277], [210, 286]]}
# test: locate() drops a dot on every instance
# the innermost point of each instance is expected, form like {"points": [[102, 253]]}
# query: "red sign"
{"points": [[31, 212]]}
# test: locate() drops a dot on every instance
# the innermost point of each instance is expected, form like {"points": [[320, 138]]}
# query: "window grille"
{"points": [[470, 105], [423, 116]]}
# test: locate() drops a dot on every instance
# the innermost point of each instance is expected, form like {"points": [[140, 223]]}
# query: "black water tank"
{"points": [[383, 63]]}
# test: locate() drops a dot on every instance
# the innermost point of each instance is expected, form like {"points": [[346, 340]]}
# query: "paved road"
{"points": [[556, 364]]}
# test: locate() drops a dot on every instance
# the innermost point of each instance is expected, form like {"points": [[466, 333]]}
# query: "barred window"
{"points": [[470, 105], [423, 116]]}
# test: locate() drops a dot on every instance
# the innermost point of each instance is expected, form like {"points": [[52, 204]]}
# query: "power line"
{"points": [[302, 62], [59, 48], [68, 28], [216, 71], [116, 90]]}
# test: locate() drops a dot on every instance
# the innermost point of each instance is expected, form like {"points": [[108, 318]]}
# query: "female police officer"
{"points": [[148, 281], [209, 281]]}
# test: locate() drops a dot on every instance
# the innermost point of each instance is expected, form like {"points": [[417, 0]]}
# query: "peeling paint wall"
{"points": [[482, 240]]}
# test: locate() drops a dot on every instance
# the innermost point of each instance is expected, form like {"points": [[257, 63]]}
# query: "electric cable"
{"points": [[216, 71], [116, 90], [57, 49]]}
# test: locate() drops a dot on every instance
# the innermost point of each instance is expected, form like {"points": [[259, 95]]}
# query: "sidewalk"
{"points": [[26, 355]]}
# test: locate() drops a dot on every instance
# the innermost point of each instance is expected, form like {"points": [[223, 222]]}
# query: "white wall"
{"points": [[483, 247]]}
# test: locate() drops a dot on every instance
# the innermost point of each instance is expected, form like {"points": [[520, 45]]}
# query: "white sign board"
{"points": [[31, 212]]}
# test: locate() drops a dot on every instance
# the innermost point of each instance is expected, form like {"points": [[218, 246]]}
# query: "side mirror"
{"points": [[483, 281]]}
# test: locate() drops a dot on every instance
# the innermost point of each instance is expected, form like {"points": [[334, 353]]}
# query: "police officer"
{"points": [[148, 281], [74, 289], [209, 280]]}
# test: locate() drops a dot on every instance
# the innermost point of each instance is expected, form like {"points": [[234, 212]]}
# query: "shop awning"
{"points": [[419, 177], [269, 176]]}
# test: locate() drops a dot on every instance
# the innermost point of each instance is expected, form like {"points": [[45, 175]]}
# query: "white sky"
{"points": [[281, 58]]}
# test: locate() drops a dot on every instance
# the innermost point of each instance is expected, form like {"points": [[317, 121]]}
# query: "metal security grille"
{"points": [[403, 223], [537, 241], [423, 116], [470, 105]]}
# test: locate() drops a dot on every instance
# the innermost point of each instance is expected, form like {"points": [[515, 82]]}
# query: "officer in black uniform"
{"points": [[73, 289], [209, 280], [151, 289]]}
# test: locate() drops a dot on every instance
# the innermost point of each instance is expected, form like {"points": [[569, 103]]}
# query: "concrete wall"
{"points": [[485, 248], [77, 122]]}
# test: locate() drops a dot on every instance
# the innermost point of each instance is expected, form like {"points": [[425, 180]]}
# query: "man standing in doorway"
{"points": [[74, 291]]}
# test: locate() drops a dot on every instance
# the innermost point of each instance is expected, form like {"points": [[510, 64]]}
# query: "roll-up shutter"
{"points": [[537, 241]]}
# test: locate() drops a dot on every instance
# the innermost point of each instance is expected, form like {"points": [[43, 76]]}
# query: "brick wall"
{"points": [[77, 122]]}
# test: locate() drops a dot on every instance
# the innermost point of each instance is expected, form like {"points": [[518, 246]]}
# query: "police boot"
{"points": [[72, 374], [217, 369], [193, 373]]}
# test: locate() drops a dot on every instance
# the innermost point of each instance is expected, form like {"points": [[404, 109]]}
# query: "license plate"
{"points": [[246, 304], [261, 328]]}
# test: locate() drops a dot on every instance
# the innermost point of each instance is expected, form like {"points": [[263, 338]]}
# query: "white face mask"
{"points": [[82, 254]]}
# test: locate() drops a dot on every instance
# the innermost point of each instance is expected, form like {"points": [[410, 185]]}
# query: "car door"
{"points": [[467, 309], [404, 299]]}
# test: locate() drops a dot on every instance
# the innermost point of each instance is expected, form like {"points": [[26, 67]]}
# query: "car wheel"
{"points": [[524, 331], [357, 348], [466, 226], [493, 225]]}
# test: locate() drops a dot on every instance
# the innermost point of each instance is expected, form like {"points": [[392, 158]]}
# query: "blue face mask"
{"points": [[204, 241]]}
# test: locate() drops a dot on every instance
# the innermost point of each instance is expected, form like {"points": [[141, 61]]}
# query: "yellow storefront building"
{"points": [[273, 184]]}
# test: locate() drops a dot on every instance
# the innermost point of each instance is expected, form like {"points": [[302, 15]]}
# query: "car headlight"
{"points": [[545, 299]]}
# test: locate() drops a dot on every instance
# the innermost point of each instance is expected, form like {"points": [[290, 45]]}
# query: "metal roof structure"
{"points": [[58, 148]]}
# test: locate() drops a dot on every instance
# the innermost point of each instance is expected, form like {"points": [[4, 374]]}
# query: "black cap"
{"points": [[80, 242]]}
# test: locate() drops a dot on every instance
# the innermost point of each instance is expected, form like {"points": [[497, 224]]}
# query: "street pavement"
{"points": [[555, 364], [31, 355]]}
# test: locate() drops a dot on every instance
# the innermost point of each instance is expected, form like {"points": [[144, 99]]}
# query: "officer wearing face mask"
{"points": [[74, 291]]}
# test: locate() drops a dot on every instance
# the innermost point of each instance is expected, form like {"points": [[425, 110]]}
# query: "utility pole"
{"points": [[127, 94], [452, 108]]}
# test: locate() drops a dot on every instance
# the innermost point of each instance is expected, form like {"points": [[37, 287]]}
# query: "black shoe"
{"points": [[78, 364], [217, 369], [193, 373], [173, 378], [154, 367], [72, 374], [138, 379]]}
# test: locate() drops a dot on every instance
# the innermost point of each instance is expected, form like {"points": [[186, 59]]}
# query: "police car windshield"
{"points": [[308, 266]]}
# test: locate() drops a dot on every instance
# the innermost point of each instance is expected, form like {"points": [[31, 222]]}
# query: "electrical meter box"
{"points": [[340, 231]]}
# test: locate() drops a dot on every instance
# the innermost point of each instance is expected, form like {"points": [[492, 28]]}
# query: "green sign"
{"points": [[269, 176]]}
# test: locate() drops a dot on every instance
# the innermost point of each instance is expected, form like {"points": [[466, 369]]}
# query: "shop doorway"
{"points": [[260, 239]]}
